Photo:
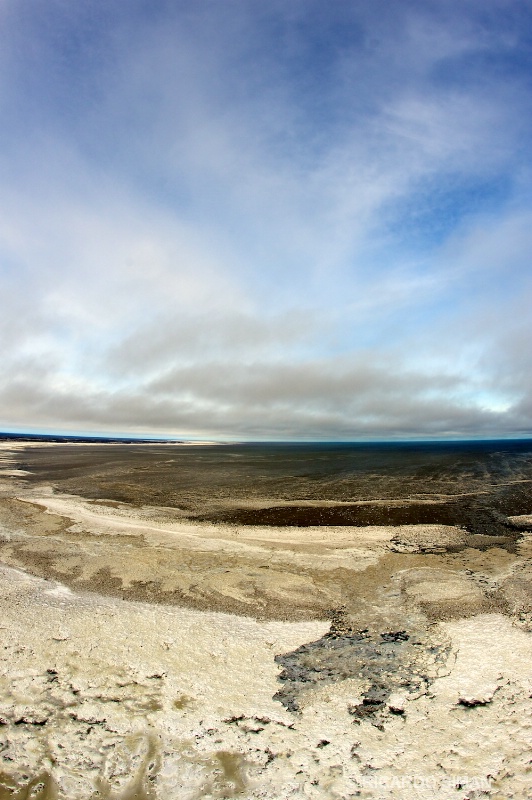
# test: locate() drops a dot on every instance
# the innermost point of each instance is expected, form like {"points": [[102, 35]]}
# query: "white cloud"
{"points": [[209, 225]]}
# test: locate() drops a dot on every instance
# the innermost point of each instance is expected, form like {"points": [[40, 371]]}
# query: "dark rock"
{"points": [[387, 661], [395, 636]]}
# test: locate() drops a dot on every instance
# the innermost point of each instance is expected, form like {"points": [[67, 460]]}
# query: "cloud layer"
{"points": [[281, 220]]}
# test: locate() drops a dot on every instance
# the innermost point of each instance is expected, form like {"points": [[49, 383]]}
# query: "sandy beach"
{"points": [[147, 654]]}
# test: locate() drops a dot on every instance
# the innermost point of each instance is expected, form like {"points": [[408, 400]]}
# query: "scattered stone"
{"points": [[396, 704], [250, 727], [395, 636], [470, 701], [367, 708], [39, 721], [479, 695]]}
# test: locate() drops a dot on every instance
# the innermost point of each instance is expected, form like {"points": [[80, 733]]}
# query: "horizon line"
{"points": [[132, 439]]}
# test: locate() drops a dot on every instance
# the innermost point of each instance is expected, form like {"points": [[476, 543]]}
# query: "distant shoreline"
{"points": [[53, 438], [30, 438]]}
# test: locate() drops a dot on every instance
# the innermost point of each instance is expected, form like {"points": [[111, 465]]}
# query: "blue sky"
{"points": [[247, 220]]}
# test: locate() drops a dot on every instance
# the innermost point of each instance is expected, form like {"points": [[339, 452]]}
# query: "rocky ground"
{"points": [[150, 655]]}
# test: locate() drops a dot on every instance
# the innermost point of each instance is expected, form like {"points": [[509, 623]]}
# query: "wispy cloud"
{"points": [[277, 220]]}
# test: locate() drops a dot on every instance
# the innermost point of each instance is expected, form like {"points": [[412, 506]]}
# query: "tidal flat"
{"points": [[265, 621]]}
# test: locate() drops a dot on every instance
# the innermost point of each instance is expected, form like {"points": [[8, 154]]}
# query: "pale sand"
{"points": [[104, 697]]}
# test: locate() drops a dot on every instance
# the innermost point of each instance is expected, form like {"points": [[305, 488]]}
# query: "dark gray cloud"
{"points": [[317, 400]]}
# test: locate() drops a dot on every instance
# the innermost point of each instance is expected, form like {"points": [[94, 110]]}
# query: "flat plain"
{"points": [[265, 621]]}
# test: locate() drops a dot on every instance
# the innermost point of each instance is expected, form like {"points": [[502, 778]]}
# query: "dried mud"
{"points": [[375, 582]]}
